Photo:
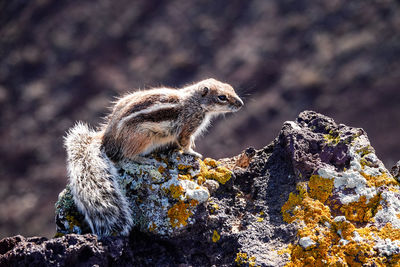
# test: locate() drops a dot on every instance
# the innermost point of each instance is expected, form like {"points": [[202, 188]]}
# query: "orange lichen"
{"points": [[161, 169], [376, 181], [152, 227], [211, 169], [211, 162], [320, 188], [333, 241], [292, 203], [200, 180], [179, 213], [361, 210], [184, 177], [215, 236], [176, 191], [388, 231], [182, 167]]}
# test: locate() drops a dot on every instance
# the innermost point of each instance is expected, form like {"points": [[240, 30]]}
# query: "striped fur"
{"points": [[146, 120], [139, 123]]}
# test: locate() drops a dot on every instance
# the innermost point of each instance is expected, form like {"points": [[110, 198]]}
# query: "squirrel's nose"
{"points": [[239, 103]]}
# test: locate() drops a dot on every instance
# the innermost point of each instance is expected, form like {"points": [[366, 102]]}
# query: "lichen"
{"points": [[215, 236], [361, 210], [212, 169], [70, 220], [347, 217], [179, 213], [213, 207], [163, 195], [243, 260], [332, 138], [320, 188], [176, 191]]}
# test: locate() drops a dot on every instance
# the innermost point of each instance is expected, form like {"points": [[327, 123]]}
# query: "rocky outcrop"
{"points": [[60, 63], [317, 195]]}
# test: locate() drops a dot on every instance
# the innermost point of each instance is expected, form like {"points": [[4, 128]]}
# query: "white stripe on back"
{"points": [[147, 110]]}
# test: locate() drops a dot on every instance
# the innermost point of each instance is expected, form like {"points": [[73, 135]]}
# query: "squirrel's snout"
{"points": [[238, 103]]}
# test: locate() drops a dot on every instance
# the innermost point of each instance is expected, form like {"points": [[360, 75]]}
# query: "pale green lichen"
{"points": [[70, 220], [163, 195]]}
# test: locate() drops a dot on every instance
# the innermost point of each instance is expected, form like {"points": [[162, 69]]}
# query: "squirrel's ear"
{"points": [[204, 91]]}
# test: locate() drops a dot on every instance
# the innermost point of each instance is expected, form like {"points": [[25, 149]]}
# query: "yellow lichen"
{"points": [[365, 150], [243, 259], [58, 234], [388, 231], [260, 219], [289, 208], [332, 138], [214, 207], [283, 251], [211, 169], [252, 261], [215, 236], [211, 162], [72, 222]]}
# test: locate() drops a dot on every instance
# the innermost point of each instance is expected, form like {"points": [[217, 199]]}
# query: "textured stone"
{"points": [[317, 195], [347, 203]]}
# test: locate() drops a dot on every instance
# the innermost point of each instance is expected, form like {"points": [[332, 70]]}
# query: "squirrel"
{"points": [[139, 123]]}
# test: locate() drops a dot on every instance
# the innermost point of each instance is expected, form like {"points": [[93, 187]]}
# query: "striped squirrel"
{"points": [[140, 122]]}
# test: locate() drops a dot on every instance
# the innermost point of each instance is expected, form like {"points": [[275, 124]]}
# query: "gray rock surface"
{"points": [[64, 61], [242, 222]]}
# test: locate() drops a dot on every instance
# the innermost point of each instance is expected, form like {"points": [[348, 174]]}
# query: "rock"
{"points": [[395, 171], [166, 197], [346, 202], [317, 195], [60, 64]]}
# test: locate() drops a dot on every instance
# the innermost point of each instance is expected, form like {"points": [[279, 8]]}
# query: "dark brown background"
{"points": [[62, 61]]}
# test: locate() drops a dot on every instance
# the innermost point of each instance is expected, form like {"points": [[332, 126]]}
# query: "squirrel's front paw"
{"points": [[193, 153]]}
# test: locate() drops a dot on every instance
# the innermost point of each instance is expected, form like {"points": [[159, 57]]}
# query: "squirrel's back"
{"points": [[94, 184]]}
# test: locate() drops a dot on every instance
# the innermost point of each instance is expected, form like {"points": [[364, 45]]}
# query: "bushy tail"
{"points": [[93, 180]]}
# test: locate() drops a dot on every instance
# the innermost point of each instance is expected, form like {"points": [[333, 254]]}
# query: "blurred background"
{"points": [[63, 61]]}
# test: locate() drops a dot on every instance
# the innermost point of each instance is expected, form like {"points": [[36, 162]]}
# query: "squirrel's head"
{"points": [[217, 97]]}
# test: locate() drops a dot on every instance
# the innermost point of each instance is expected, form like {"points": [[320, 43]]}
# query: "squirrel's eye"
{"points": [[222, 97]]}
